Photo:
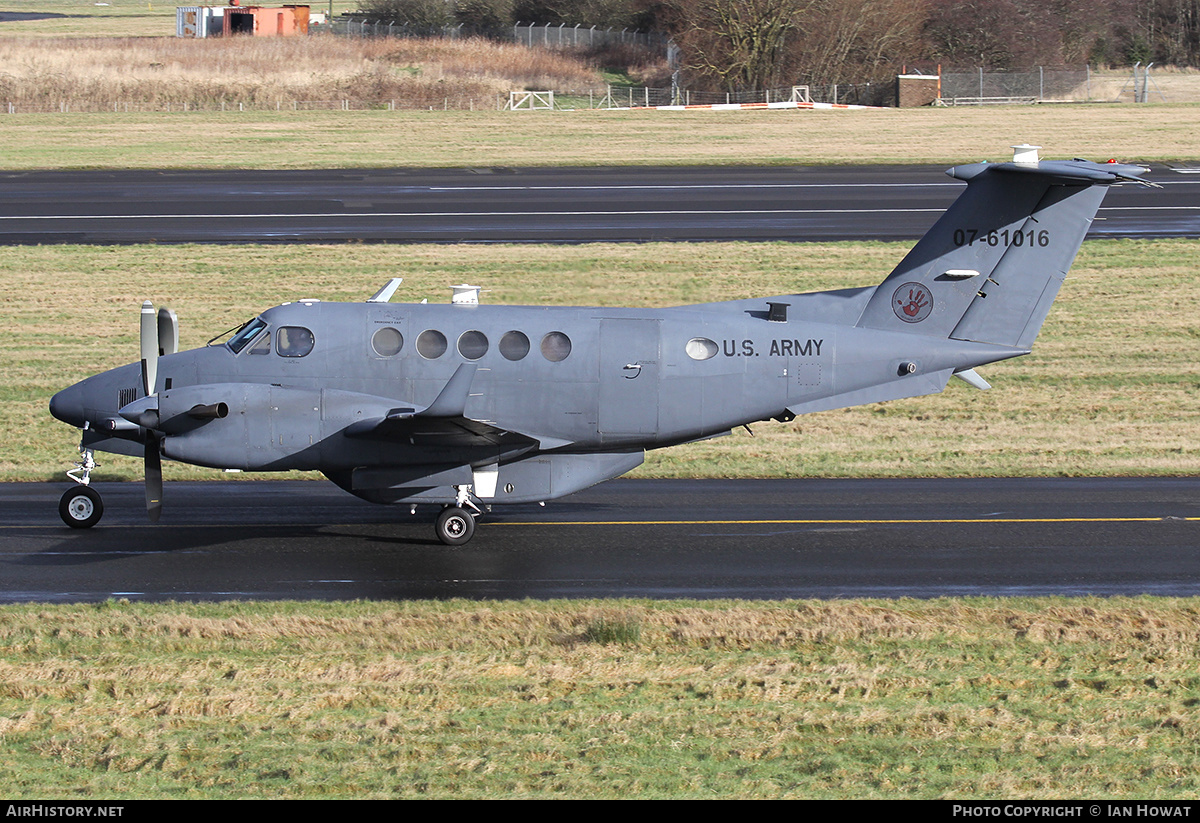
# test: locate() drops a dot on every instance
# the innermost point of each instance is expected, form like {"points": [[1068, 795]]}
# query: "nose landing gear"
{"points": [[81, 507]]}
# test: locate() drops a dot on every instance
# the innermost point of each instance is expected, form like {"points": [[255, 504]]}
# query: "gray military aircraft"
{"points": [[464, 406]]}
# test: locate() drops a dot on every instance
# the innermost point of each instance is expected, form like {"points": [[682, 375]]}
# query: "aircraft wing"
{"points": [[407, 424], [443, 422]]}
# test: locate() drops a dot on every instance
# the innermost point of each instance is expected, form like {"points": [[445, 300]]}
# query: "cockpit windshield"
{"points": [[245, 334]]}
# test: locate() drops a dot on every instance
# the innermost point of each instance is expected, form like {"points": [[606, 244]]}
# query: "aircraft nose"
{"points": [[67, 406]]}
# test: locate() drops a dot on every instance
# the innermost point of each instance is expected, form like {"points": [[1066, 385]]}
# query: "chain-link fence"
{"points": [[585, 37], [866, 94], [533, 36], [363, 27], [978, 87]]}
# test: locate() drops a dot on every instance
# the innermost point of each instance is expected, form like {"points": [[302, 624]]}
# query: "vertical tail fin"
{"points": [[991, 266]]}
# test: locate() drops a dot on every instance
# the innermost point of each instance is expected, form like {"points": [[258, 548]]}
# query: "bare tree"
{"points": [[858, 40], [735, 45]]}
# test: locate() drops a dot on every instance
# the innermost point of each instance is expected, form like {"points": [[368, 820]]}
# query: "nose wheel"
{"points": [[81, 507]]}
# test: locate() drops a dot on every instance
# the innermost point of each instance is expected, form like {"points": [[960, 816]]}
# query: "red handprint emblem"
{"points": [[916, 300], [912, 302]]}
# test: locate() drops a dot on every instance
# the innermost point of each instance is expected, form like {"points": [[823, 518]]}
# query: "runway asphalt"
{"points": [[628, 538], [500, 205]]}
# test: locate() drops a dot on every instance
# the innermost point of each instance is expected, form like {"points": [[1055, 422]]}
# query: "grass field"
{"points": [[319, 139], [974, 699]]}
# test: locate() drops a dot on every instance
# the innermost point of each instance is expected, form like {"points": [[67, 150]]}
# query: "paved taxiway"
{"points": [[627, 538], [527, 205]]}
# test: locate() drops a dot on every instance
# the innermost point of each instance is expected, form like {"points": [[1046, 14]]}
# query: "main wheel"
{"points": [[455, 526], [81, 507]]}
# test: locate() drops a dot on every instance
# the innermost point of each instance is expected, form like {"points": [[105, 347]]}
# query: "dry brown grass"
{"points": [[95, 74]]}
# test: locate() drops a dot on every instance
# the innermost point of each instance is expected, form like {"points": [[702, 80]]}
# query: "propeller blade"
{"points": [[168, 332], [154, 481], [149, 344]]}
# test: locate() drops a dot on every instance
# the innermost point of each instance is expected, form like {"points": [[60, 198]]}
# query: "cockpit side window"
{"points": [[263, 346], [247, 333], [293, 341]]}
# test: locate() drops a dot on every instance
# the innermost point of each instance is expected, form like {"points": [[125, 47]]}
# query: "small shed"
{"points": [[199, 21], [256, 21], [917, 89]]}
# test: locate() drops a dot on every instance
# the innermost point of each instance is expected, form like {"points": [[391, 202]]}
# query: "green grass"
{"points": [[976, 699], [1111, 388]]}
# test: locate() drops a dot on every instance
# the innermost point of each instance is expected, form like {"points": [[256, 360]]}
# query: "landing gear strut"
{"points": [[81, 507]]}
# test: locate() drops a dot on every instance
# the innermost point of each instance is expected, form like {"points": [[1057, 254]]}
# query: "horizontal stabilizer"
{"points": [[971, 377]]}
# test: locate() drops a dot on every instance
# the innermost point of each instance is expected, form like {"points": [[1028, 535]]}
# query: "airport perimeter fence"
{"points": [[1040, 85], [868, 94], [531, 35]]}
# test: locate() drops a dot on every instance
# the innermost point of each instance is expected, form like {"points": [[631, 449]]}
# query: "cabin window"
{"points": [[387, 342], [472, 344], [514, 345], [701, 348], [556, 346], [431, 344], [293, 341], [245, 334]]}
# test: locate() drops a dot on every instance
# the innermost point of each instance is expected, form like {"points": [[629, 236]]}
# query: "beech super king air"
{"points": [[466, 406]]}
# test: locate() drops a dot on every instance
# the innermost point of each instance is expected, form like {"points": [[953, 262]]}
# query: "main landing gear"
{"points": [[456, 524], [81, 507]]}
